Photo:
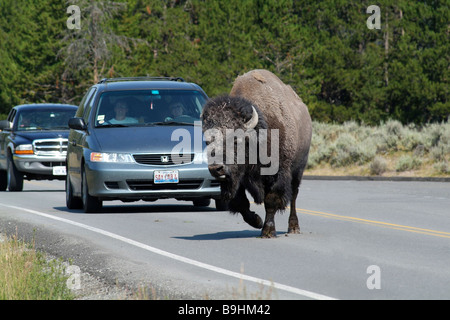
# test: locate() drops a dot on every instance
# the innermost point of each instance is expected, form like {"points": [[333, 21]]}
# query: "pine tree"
{"points": [[324, 50], [90, 48]]}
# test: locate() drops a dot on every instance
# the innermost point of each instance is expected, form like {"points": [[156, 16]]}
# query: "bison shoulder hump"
{"points": [[259, 77]]}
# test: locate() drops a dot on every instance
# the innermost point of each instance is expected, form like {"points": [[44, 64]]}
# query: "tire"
{"points": [[202, 202], [90, 204], [14, 177], [3, 180], [221, 205], [71, 201]]}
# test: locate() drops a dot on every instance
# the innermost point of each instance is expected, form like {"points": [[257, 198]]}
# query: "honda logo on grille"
{"points": [[164, 158]]}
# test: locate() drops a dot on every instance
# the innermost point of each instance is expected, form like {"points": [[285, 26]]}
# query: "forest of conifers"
{"points": [[324, 49]]}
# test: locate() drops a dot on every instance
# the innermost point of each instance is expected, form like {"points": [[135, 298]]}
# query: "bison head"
{"points": [[230, 125]]}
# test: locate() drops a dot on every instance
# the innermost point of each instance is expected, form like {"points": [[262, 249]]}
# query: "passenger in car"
{"points": [[121, 110], [176, 111], [26, 122]]}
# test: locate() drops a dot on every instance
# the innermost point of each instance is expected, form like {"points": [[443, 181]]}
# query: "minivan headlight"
{"points": [[111, 157], [201, 158]]}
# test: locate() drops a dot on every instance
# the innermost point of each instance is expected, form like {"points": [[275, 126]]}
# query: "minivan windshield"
{"points": [[149, 107]]}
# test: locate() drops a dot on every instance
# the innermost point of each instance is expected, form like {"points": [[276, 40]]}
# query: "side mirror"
{"points": [[77, 124], [5, 125]]}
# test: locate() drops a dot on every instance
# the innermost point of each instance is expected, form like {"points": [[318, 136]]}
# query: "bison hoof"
{"points": [[294, 230], [254, 220], [268, 234], [269, 231]]}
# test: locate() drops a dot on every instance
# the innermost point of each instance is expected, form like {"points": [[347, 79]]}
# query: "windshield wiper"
{"points": [[112, 125], [57, 128], [170, 123]]}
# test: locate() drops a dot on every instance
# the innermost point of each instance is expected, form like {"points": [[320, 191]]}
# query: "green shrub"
{"points": [[408, 162], [442, 167], [349, 151], [438, 153], [357, 144], [378, 166], [394, 128]]}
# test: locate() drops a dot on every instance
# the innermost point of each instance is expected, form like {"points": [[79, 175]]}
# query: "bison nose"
{"points": [[217, 170]]}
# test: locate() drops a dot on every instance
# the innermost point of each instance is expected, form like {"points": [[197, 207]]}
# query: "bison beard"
{"points": [[255, 105]]}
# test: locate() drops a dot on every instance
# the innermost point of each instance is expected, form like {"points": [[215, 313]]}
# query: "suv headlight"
{"points": [[111, 157], [24, 149]]}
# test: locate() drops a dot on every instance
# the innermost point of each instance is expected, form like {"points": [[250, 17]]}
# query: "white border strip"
{"points": [[176, 257]]}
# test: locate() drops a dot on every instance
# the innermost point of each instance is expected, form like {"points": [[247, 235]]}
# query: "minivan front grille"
{"points": [[50, 147], [163, 159], [144, 184]]}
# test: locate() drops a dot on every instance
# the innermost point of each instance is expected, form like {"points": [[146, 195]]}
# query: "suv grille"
{"points": [[161, 159], [50, 147]]}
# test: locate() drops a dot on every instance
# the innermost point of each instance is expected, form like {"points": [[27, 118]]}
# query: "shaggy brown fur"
{"points": [[278, 107]]}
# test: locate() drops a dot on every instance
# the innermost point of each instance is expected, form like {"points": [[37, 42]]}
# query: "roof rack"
{"points": [[105, 80]]}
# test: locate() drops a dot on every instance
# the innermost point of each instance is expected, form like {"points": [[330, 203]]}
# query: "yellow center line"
{"points": [[431, 232]]}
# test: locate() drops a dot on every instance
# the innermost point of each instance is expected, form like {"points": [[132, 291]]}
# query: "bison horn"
{"points": [[251, 124]]}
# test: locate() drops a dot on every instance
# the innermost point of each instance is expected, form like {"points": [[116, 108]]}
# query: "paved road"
{"points": [[359, 240]]}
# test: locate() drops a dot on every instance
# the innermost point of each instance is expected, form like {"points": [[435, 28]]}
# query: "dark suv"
{"points": [[33, 144], [139, 139]]}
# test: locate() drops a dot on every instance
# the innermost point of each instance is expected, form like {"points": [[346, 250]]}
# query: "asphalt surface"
{"points": [[359, 240]]}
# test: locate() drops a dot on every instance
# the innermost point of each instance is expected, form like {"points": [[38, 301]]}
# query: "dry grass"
{"points": [[25, 274]]}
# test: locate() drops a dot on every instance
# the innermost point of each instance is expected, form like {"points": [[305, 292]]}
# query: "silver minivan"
{"points": [[139, 139]]}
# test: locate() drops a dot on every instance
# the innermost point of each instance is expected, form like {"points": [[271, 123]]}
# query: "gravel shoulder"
{"points": [[94, 276]]}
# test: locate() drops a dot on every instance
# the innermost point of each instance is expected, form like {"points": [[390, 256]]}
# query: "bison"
{"points": [[259, 102]]}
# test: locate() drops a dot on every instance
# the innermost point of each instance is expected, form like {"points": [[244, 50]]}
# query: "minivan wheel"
{"points": [[71, 201], [90, 203], [221, 205], [202, 202], [3, 180]]}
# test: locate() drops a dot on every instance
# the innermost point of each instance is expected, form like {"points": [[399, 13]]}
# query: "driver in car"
{"points": [[121, 110]]}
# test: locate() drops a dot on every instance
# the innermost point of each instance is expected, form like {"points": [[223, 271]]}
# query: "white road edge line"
{"points": [[176, 257]]}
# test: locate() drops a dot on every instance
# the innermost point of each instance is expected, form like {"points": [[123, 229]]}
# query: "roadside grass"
{"points": [[25, 273], [390, 149]]}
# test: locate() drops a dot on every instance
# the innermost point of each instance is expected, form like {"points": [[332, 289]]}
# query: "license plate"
{"points": [[165, 176], [59, 171]]}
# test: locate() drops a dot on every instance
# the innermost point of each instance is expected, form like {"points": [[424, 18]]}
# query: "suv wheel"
{"points": [[90, 203], [14, 177]]}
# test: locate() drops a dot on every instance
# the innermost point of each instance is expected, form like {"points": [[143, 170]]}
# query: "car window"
{"points": [[11, 115], [83, 102], [89, 104], [145, 107], [44, 119]]}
